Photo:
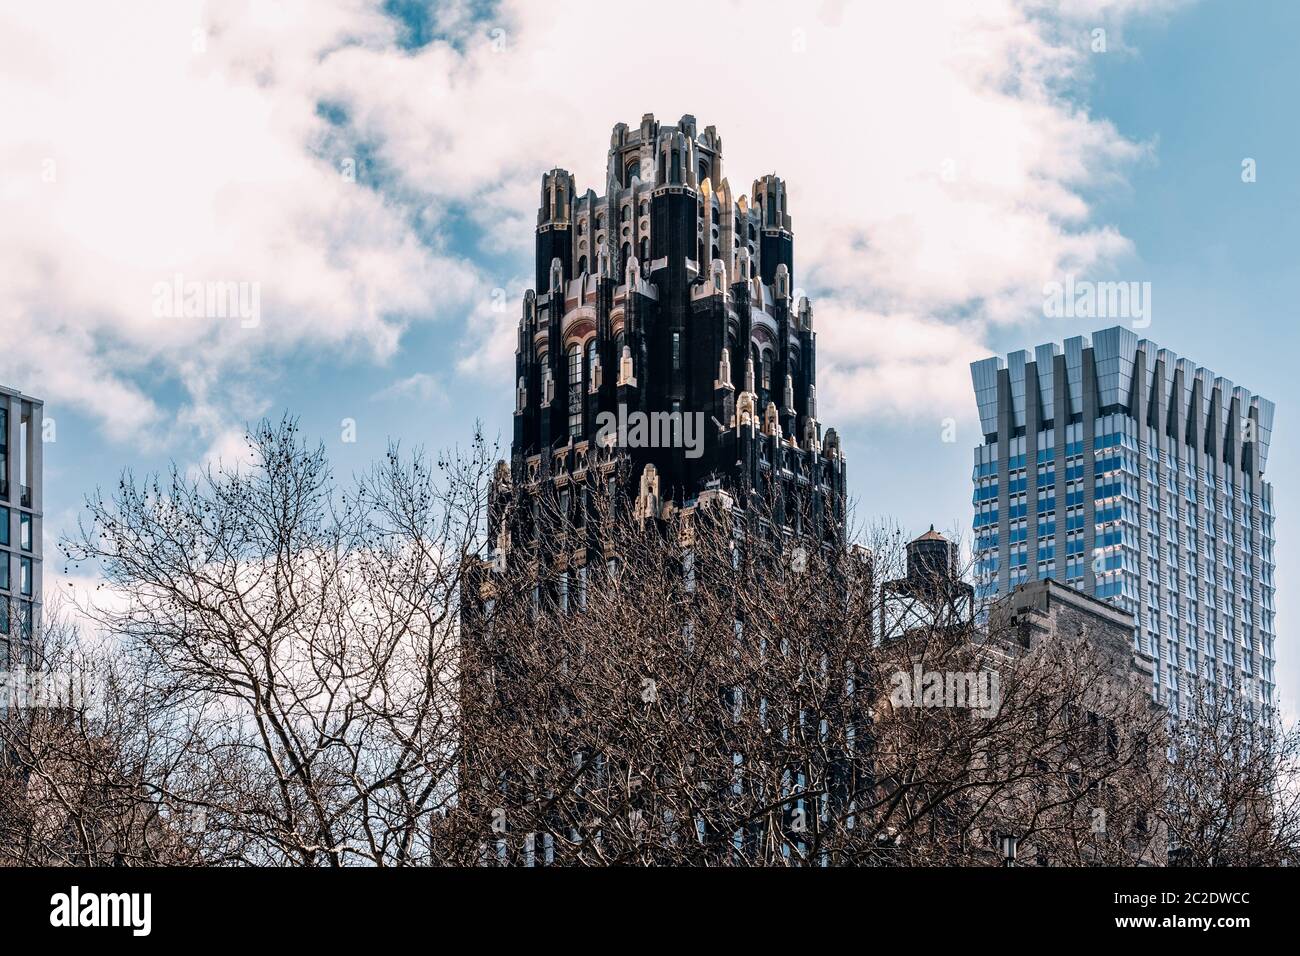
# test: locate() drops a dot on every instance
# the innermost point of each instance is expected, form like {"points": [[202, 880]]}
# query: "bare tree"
{"points": [[428, 666], [73, 782], [1233, 792], [705, 689], [293, 646]]}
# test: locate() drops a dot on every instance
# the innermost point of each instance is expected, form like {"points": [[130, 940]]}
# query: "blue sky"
{"points": [[208, 138]]}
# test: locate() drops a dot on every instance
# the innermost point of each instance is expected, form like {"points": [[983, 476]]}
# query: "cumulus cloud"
{"points": [[182, 142], [228, 453], [421, 387], [937, 154], [937, 159], [879, 364]]}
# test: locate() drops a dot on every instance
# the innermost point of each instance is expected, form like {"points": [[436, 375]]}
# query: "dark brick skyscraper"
{"points": [[663, 362]]}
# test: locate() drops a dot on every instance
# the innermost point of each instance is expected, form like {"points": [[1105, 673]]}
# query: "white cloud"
{"points": [[421, 387], [228, 453], [491, 334], [136, 149], [936, 158], [876, 364]]}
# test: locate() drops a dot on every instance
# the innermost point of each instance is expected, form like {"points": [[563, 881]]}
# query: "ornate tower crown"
{"points": [[670, 296]]}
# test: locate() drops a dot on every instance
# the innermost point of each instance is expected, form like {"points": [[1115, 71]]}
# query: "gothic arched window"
{"points": [[767, 369], [591, 361], [575, 389]]}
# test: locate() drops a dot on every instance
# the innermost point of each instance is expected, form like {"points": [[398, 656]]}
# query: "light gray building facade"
{"points": [[1136, 477], [21, 425]]}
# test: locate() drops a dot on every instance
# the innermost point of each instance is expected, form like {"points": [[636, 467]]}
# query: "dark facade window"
{"points": [[591, 362], [575, 389], [767, 368], [677, 351]]}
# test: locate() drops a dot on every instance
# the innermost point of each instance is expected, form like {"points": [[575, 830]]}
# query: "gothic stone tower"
{"points": [[664, 298], [666, 301]]}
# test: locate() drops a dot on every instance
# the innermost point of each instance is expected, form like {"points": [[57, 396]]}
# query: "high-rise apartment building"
{"points": [[1136, 477], [20, 526]]}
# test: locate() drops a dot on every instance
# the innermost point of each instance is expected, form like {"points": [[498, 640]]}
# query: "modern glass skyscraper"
{"points": [[1136, 477]]}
